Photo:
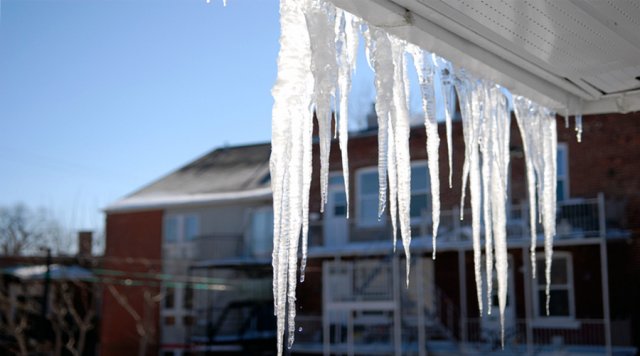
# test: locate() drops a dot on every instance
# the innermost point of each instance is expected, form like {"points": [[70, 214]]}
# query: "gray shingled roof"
{"points": [[223, 173]]}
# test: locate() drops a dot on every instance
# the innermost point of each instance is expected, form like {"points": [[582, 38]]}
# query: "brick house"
{"points": [[205, 231], [201, 233]]}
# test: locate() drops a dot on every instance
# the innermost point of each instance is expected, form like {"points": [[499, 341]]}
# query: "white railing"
{"points": [[360, 280], [583, 332], [588, 332], [575, 219]]}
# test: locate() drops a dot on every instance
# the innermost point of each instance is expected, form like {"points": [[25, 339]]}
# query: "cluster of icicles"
{"points": [[317, 59]]}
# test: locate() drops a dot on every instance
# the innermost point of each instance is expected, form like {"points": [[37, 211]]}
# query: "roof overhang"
{"points": [[578, 56]]}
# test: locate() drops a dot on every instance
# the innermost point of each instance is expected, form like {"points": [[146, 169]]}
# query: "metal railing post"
{"points": [[604, 270]]}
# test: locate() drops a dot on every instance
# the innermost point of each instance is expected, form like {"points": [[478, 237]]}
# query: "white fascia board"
{"points": [[408, 25], [620, 103], [184, 200]]}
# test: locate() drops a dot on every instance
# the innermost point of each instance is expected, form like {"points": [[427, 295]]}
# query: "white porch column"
{"points": [[604, 271]]}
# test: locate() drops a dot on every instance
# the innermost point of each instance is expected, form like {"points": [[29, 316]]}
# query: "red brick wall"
{"points": [[133, 246]]}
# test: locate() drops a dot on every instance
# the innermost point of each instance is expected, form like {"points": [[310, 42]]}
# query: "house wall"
{"points": [[133, 246]]}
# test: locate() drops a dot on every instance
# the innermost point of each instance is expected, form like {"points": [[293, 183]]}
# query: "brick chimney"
{"points": [[85, 243]]}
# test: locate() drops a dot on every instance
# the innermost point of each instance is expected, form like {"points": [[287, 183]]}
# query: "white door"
{"points": [[491, 323], [336, 227]]}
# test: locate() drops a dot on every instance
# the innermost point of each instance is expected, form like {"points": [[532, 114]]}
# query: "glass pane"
{"points": [[169, 298], [170, 229], [368, 212], [262, 232], [336, 179], [562, 161], [419, 178], [560, 190], [188, 297], [559, 272], [369, 183], [418, 204], [190, 227], [558, 304]]}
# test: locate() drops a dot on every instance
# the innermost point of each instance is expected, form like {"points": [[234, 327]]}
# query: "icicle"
{"points": [[379, 55], [400, 119], [347, 43], [292, 94], [471, 166], [538, 130], [446, 76], [527, 124], [320, 19], [425, 70], [393, 180], [578, 119], [500, 122], [550, 150]]}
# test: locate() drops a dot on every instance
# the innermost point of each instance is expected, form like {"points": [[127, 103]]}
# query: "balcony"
{"points": [[228, 248], [576, 220]]}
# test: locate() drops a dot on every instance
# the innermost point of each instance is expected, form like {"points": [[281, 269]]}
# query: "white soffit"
{"points": [[582, 55]]}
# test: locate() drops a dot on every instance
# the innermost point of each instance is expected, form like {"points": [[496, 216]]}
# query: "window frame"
{"points": [[421, 163], [338, 186], [358, 209], [540, 318], [249, 237], [564, 149]]}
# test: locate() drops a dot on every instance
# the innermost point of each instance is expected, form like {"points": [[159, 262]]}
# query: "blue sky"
{"points": [[98, 98]]}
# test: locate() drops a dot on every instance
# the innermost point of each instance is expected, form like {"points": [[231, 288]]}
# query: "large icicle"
{"points": [[400, 120], [425, 69], [471, 168], [292, 94], [501, 119], [538, 130], [347, 44], [320, 18], [379, 55], [446, 78]]}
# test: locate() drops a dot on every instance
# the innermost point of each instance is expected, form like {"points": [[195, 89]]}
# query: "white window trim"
{"points": [[377, 222], [541, 320], [422, 163], [565, 178]]}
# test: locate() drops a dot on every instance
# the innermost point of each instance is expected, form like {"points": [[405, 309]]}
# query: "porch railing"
{"points": [[575, 219]]}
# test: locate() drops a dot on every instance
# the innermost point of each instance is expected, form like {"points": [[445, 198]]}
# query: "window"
{"points": [[171, 229], [181, 228], [562, 188], [261, 232], [169, 320], [420, 194], [367, 202], [190, 227], [367, 208], [169, 298], [561, 305], [337, 197], [188, 297]]}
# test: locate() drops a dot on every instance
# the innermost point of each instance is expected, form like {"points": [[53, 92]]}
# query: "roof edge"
{"points": [[172, 201]]}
